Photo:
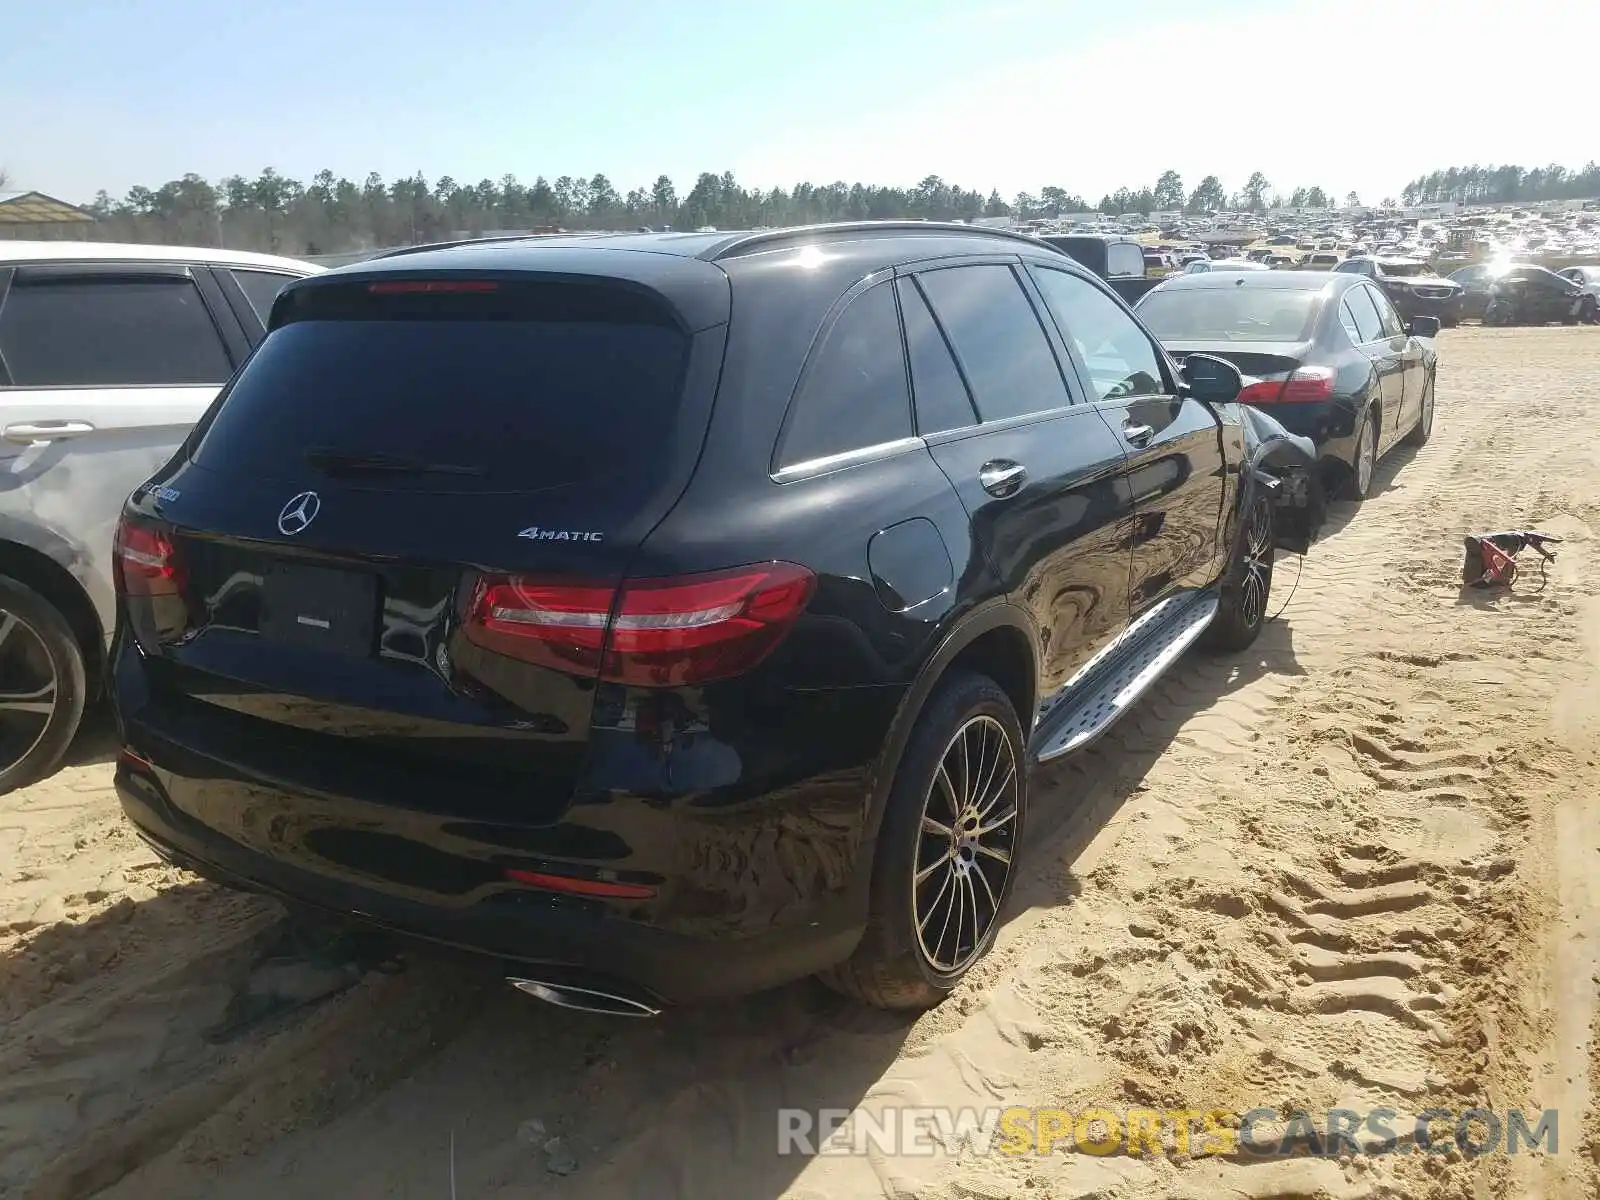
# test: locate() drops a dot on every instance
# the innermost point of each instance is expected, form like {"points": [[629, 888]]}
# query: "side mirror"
{"points": [[1423, 327], [1211, 380]]}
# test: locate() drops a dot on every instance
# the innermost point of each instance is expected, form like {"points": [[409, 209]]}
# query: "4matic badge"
{"points": [[534, 534]]}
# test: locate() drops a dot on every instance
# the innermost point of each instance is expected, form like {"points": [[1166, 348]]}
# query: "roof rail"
{"points": [[767, 239], [478, 241]]}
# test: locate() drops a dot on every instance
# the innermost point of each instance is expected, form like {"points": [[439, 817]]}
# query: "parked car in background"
{"points": [[1159, 262], [108, 354], [1530, 295], [1587, 278], [1413, 286], [1321, 261], [672, 656], [1327, 355], [1120, 261]]}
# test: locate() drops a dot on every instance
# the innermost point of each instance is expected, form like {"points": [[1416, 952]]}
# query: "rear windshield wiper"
{"points": [[337, 462]]}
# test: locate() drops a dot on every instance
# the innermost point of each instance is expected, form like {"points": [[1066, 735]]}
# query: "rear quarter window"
{"points": [[853, 394], [261, 288]]}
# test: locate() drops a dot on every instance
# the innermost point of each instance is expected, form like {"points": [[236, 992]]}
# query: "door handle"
{"points": [[1001, 476], [1138, 435], [45, 431]]}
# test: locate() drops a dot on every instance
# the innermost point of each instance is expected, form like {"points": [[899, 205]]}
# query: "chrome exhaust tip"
{"points": [[583, 999]]}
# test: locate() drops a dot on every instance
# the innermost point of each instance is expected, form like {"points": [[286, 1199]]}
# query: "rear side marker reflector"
{"points": [[649, 632], [600, 888], [133, 760]]}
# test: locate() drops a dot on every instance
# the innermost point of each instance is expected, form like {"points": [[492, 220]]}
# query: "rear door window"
{"points": [[996, 335], [1368, 324], [261, 288], [1388, 318], [519, 388], [854, 393], [942, 400], [99, 329], [1348, 320]]}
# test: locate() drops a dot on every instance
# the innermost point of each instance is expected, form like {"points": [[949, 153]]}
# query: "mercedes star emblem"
{"points": [[298, 513]]}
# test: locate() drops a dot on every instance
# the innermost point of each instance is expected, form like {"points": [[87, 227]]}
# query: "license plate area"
{"points": [[319, 608]]}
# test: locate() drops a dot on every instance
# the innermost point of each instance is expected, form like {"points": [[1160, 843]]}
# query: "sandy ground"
{"points": [[1355, 866]]}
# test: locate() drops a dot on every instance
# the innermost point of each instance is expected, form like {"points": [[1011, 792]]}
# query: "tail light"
{"points": [[649, 632], [1261, 391], [146, 561], [1305, 385]]}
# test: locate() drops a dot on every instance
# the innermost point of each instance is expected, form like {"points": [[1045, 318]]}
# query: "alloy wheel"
{"points": [[1257, 582], [1366, 458], [27, 689], [965, 844]]}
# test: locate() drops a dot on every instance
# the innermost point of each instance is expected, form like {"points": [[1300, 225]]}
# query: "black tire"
{"points": [[1354, 487], [892, 967], [1247, 586], [1449, 322], [1423, 429], [36, 642], [1589, 310]]}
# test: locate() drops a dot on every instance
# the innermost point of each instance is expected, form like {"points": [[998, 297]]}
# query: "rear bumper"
{"points": [[1330, 427], [534, 934], [749, 895]]}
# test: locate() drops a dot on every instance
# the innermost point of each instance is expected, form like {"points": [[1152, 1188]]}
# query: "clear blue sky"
{"points": [[1014, 94]]}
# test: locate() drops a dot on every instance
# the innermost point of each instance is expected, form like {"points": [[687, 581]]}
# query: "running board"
{"points": [[1078, 723]]}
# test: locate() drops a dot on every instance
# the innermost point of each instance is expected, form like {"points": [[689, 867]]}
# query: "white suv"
{"points": [[108, 354]]}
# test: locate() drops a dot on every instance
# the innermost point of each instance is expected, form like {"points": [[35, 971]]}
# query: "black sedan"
{"points": [[1413, 286], [1531, 295], [1327, 355]]}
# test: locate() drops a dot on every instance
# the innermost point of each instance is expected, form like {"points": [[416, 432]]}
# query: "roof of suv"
{"points": [[720, 245], [691, 270], [69, 251]]}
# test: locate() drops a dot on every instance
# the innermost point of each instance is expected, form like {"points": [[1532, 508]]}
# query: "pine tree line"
{"points": [[333, 215]]}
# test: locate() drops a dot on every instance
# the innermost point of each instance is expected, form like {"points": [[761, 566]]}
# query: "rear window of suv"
{"points": [[517, 388]]}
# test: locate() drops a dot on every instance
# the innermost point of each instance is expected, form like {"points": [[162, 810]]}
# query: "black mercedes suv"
{"points": [[675, 615]]}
